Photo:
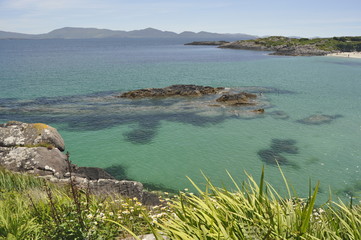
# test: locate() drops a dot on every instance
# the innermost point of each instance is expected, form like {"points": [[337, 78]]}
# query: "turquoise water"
{"points": [[72, 84]]}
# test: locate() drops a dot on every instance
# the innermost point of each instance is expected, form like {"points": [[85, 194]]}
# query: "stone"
{"points": [[36, 160], [19, 152], [259, 111], [126, 188], [174, 90], [13, 134], [237, 99], [92, 173]]}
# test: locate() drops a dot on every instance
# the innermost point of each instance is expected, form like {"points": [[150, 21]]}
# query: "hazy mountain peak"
{"points": [[79, 33]]}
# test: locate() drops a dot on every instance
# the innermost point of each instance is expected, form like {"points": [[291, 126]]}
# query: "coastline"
{"points": [[345, 54]]}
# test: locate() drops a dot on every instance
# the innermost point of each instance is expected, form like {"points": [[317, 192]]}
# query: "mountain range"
{"points": [[83, 33]]}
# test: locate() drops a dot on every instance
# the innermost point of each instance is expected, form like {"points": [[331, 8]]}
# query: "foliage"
{"points": [[33, 209], [344, 44], [258, 212], [16, 220], [10, 181]]}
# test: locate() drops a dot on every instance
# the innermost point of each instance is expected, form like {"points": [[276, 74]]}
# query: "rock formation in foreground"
{"points": [[37, 149], [174, 90]]}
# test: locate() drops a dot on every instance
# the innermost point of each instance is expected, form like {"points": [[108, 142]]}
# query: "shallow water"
{"points": [[72, 85]]}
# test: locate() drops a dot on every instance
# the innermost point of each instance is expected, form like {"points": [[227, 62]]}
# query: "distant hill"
{"points": [[79, 33]]}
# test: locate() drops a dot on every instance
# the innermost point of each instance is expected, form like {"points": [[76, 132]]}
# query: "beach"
{"points": [[346, 54]]}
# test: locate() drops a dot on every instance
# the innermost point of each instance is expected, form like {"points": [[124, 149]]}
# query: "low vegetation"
{"points": [[31, 208], [343, 44]]}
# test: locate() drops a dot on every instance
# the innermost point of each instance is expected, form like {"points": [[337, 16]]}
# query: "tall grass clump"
{"points": [[10, 181], [257, 211]]}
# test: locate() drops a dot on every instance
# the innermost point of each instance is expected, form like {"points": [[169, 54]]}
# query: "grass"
{"points": [[344, 44], [257, 211], [32, 209]]}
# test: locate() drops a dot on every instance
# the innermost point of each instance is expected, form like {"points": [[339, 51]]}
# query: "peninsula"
{"points": [[285, 46]]}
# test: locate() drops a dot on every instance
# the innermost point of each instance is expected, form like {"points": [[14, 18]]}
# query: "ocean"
{"points": [[312, 119]]}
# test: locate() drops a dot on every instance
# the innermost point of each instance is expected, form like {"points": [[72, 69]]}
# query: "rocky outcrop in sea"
{"points": [[174, 90], [282, 49], [37, 148], [210, 43]]}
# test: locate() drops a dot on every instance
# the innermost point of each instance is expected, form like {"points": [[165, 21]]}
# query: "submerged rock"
{"points": [[14, 134], [278, 146], [271, 157], [279, 115], [284, 146], [319, 119], [237, 99], [92, 173], [174, 90]]}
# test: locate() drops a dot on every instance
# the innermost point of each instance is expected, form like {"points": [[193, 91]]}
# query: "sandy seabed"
{"points": [[346, 54]]}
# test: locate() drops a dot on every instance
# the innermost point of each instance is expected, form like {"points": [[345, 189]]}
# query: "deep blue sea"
{"points": [[73, 85]]}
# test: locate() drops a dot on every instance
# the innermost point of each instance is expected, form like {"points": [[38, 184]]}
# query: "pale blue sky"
{"points": [[307, 18]]}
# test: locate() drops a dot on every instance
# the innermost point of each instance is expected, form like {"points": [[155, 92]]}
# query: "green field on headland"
{"points": [[299, 46]]}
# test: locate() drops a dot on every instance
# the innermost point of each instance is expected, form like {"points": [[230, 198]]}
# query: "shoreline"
{"points": [[345, 54]]}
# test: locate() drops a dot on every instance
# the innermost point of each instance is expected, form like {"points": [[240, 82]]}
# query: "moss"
{"points": [[42, 144], [40, 126]]}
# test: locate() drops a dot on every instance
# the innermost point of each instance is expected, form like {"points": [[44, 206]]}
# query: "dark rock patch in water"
{"points": [[284, 146], [271, 157], [318, 119], [140, 136], [118, 171], [273, 154]]}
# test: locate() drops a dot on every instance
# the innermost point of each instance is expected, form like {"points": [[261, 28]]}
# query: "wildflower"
{"points": [[111, 214], [126, 212], [89, 216]]}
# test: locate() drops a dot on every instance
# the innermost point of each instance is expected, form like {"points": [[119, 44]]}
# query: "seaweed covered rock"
{"points": [[174, 90], [237, 99], [13, 134]]}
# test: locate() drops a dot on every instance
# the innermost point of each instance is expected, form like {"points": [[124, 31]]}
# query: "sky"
{"points": [[306, 18]]}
